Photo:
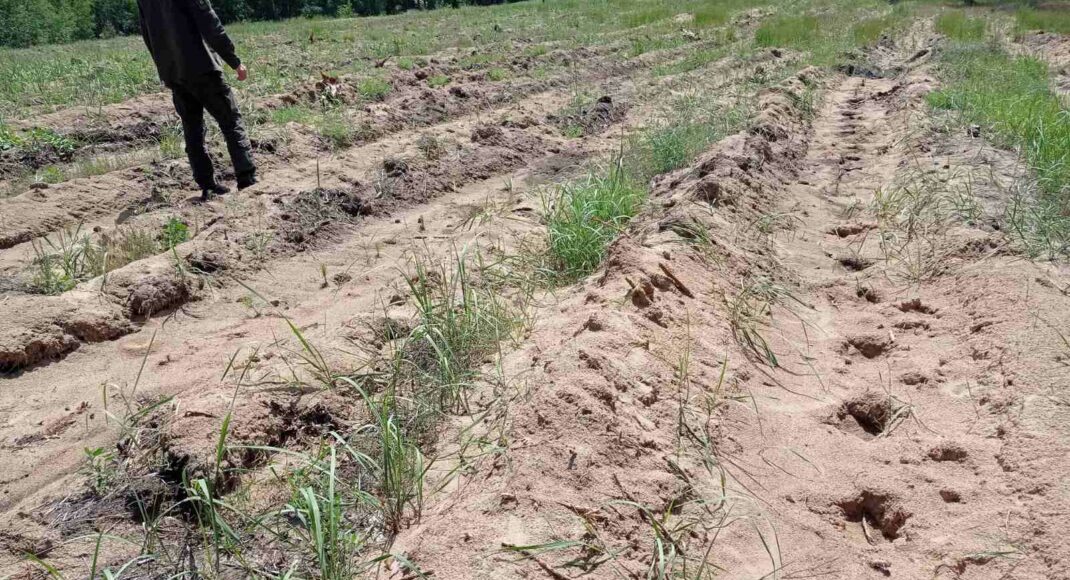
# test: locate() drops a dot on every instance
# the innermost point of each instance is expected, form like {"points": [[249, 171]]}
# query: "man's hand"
{"points": [[243, 73]]}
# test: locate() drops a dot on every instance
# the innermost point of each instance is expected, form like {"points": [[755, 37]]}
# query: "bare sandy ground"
{"points": [[853, 375]]}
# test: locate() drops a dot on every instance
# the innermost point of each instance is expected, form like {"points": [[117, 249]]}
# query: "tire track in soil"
{"points": [[149, 286], [488, 144], [195, 343], [412, 107], [202, 331], [913, 430], [908, 457]]}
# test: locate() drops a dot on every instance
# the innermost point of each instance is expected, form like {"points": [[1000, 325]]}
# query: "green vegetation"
{"points": [[374, 89], [462, 320], [70, 256], [712, 15], [831, 36], [671, 145], [789, 31], [175, 231], [36, 140], [583, 218], [1051, 20], [29, 22], [281, 54], [51, 175], [700, 58], [336, 129], [1010, 97], [438, 81], [869, 31], [292, 114], [8, 139], [956, 24]]}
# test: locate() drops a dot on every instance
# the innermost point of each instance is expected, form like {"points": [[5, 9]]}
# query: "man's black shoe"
{"points": [[216, 189], [246, 181]]}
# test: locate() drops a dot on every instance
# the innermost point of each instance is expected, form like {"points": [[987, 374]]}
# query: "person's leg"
{"points": [[219, 100], [191, 113]]}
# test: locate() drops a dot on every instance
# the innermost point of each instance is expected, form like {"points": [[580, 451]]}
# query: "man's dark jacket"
{"points": [[184, 38]]}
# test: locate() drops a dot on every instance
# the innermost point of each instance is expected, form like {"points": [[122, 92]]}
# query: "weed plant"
{"points": [[583, 217]]}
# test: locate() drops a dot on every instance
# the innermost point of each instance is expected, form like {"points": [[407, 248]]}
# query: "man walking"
{"points": [[186, 41]]}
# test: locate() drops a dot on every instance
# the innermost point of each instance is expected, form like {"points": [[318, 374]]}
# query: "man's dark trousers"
{"points": [[208, 92]]}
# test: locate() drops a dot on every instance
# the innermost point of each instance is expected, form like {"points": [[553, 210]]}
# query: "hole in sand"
{"points": [[848, 230], [873, 413], [916, 305], [855, 263], [878, 511], [869, 346], [870, 295], [948, 452], [950, 496]]}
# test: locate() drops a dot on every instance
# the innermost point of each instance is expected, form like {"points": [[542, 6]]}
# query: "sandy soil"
{"points": [[853, 376]]}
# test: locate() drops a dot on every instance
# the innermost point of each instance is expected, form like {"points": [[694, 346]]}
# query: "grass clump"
{"points": [[51, 175], [60, 263], [699, 58], [171, 143], [38, 139], [336, 130], [292, 114], [788, 31], [647, 16], [582, 218], [438, 81], [712, 15], [71, 256], [1010, 97], [691, 127], [461, 320], [8, 138], [1028, 19], [869, 31], [374, 89], [175, 231], [955, 24]]}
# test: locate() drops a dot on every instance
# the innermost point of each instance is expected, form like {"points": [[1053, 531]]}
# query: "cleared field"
{"points": [[600, 289]]}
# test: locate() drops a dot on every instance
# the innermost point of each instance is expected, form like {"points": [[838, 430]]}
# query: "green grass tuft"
{"points": [[438, 81], [1011, 99], [712, 15], [582, 218], [955, 24], [869, 31], [175, 232], [1029, 19], [788, 31], [374, 89]]}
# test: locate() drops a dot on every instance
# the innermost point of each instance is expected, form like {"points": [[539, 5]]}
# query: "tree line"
{"points": [[32, 22]]}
